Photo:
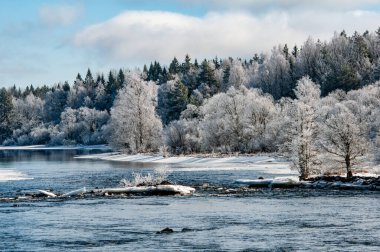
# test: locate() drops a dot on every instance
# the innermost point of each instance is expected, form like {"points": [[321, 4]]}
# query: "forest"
{"points": [[318, 104]]}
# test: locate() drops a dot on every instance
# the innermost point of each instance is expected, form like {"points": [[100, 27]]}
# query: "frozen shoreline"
{"points": [[146, 158], [260, 163], [12, 175]]}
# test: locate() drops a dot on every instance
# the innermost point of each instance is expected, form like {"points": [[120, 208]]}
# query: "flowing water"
{"points": [[263, 220]]}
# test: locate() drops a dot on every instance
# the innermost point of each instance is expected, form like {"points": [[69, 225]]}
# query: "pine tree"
{"points": [[164, 76], [186, 67], [207, 77], [295, 51], [178, 99], [6, 114], [172, 100], [120, 79], [286, 51], [89, 82]]}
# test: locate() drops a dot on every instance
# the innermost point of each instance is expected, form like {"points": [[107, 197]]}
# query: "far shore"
{"points": [[269, 161], [58, 147]]}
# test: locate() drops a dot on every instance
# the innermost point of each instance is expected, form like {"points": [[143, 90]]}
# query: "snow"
{"points": [[140, 158], [174, 189], [11, 175], [49, 194], [75, 192], [289, 180], [257, 163]]}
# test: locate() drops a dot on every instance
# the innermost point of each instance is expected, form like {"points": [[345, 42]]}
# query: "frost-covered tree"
{"points": [[260, 115], [223, 121], [237, 75], [27, 115], [301, 147], [236, 121], [82, 126], [343, 137], [134, 124], [54, 105]]}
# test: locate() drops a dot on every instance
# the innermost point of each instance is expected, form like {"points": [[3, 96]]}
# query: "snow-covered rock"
{"points": [[152, 190], [273, 182]]}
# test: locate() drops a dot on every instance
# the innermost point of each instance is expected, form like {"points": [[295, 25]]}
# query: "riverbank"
{"points": [[186, 159], [363, 183], [59, 147]]}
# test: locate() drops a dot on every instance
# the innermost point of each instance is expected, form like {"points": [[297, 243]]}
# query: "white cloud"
{"points": [[141, 36], [259, 5], [60, 14]]}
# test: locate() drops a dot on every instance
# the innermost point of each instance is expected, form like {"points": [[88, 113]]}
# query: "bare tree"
{"points": [[343, 137]]}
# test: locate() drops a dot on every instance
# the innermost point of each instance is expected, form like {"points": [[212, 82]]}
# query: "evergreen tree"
{"points": [[186, 66], [286, 51], [207, 77], [120, 79], [226, 74], [172, 100], [89, 82], [174, 67], [6, 114], [295, 51], [79, 77], [164, 76]]}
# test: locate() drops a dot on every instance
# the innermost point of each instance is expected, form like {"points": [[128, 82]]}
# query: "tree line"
{"points": [[319, 99]]}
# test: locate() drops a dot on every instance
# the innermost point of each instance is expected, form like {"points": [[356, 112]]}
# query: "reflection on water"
{"points": [[275, 220]]}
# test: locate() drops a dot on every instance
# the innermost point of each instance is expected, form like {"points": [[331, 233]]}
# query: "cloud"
{"points": [[141, 36], [260, 5], [60, 15]]}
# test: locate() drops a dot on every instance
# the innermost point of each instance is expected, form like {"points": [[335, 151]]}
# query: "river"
{"points": [[264, 220]]}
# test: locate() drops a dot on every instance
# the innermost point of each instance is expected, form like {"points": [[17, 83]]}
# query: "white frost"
{"points": [[8, 175]]}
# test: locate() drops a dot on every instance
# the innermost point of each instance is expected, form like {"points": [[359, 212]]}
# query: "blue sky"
{"points": [[45, 42]]}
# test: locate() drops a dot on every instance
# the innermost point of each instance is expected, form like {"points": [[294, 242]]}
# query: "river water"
{"points": [[263, 220]]}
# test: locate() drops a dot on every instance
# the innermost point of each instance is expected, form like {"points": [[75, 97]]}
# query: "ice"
{"points": [[10, 174]]}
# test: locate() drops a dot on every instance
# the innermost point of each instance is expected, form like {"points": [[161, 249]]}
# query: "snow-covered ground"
{"points": [[10, 174], [141, 158], [193, 163], [61, 147]]}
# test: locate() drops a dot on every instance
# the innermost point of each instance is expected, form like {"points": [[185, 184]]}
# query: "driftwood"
{"points": [[49, 194], [75, 192], [270, 183], [138, 190], [150, 190]]}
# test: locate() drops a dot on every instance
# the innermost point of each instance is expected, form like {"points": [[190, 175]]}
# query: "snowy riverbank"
{"points": [[188, 159]]}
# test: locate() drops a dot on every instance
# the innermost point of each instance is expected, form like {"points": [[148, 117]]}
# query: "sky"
{"points": [[46, 42]]}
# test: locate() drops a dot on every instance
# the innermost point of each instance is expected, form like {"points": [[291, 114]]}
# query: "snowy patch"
{"points": [[10, 175], [270, 182], [140, 158], [151, 190], [264, 168]]}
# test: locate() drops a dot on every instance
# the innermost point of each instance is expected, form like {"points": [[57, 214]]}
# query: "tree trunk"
{"points": [[348, 166]]}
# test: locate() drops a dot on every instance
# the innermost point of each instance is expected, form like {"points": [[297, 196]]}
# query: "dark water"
{"points": [[258, 221]]}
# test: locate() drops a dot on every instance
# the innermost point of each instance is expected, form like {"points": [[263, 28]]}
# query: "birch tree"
{"points": [[134, 124], [344, 138], [301, 147]]}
